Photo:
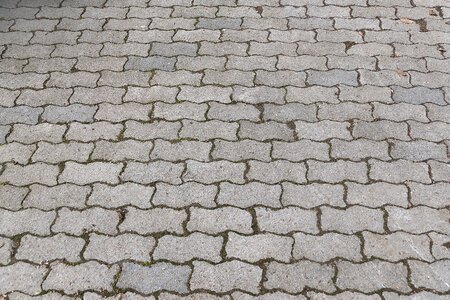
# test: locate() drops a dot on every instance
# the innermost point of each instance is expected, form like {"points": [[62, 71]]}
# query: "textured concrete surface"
{"points": [[225, 149]]}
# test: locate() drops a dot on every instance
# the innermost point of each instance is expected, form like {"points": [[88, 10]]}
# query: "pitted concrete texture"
{"points": [[225, 149]]}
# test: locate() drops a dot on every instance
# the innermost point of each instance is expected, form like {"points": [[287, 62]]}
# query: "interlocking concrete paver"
{"points": [[224, 149]]}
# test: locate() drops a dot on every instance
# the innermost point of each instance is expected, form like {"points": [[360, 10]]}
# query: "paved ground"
{"points": [[225, 149]]}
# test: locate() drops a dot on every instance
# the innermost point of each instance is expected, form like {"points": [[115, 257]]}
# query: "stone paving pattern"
{"points": [[225, 149]]}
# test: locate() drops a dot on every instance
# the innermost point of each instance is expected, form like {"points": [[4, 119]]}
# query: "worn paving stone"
{"points": [[156, 277], [59, 246], [183, 249], [85, 276], [226, 276], [22, 277], [295, 277], [224, 149], [114, 249]]}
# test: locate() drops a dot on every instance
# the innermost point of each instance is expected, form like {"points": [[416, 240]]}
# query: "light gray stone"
{"points": [[183, 249], [153, 278], [44, 249], [190, 193], [114, 249], [86, 276], [226, 276]]}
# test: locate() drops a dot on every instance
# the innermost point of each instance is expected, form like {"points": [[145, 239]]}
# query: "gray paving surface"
{"points": [[225, 149]]}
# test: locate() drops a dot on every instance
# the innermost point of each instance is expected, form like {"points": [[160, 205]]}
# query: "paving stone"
{"points": [[29, 174], [29, 134], [434, 195], [323, 130], [377, 194], [343, 295], [120, 151], [352, 219], [15, 152], [260, 94], [380, 130], [301, 63], [301, 150], [218, 220], [269, 130], [31, 221], [218, 132], [179, 111], [4, 131], [86, 276], [64, 195], [114, 249], [371, 276], [241, 150], [286, 220], [153, 221], [60, 246], [153, 278], [12, 197], [277, 171], [93, 172], [295, 277], [249, 194], [31, 275], [95, 131], [365, 94], [204, 131], [418, 95], [397, 246], [90, 220], [97, 95], [57, 153], [204, 94], [151, 94], [259, 247], [432, 276], [326, 247], [280, 78], [400, 112], [359, 149], [334, 172], [214, 172], [153, 130], [193, 246], [153, 172], [70, 113], [427, 219], [8, 97], [181, 150], [75, 79], [71, 51], [226, 276], [125, 78], [418, 151], [150, 63], [184, 195], [415, 296], [439, 246], [5, 251], [20, 114], [289, 112], [434, 131], [43, 97], [312, 195], [399, 171], [439, 171], [345, 112], [121, 195]]}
